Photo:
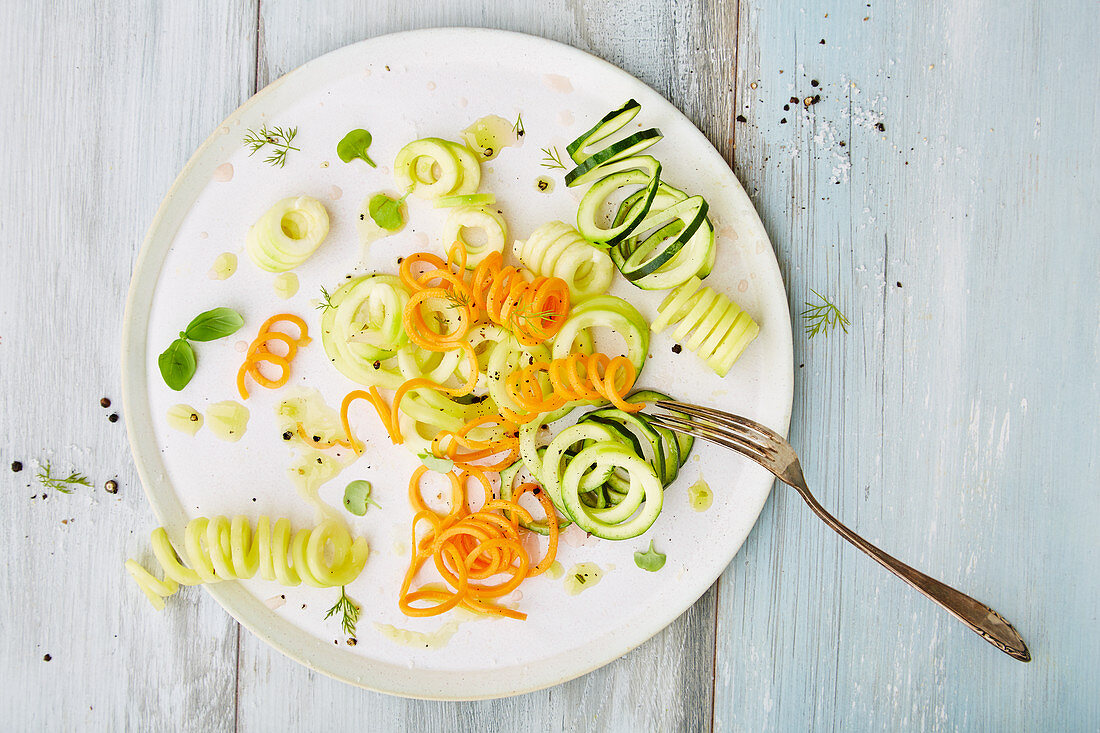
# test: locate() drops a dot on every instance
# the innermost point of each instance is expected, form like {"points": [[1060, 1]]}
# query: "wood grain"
{"points": [[962, 400], [956, 423], [104, 104]]}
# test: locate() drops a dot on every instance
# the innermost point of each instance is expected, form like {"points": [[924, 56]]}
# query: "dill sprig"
{"points": [[549, 315], [518, 127], [279, 140], [326, 300], [348, 609], [552, 159], [822, 317], [459, 300], [57, 483]]}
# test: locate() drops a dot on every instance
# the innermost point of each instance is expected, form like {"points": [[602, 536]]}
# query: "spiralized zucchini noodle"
{"points": [[218, 549], [558, 250]]}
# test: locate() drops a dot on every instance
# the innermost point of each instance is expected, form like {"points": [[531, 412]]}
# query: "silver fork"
{"points": [[770, 450]]}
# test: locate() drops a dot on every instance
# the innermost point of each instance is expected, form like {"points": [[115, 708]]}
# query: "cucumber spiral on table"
{"points": [[719, 330], [556, 249], [218, 549]]}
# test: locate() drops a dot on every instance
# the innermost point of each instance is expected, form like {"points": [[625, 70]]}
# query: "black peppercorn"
{"points": [[16, 466], [104, 402], [113, 417], [111, 487]]}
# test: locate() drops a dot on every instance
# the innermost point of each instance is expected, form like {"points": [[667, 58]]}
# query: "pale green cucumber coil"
{"points": [[556, 249], [218, 549], [287, 234]]}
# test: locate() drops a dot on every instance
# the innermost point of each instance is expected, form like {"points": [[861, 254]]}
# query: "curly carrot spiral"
{"points": [[533, 310], [502, 445], [259, 353], [469, 546], [575, 377]]}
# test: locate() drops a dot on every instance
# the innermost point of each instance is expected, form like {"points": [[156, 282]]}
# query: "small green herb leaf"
{"points": [[357, 496], [58, 483], [823, 317], [348, 610], [650, 560], [434, 463], [354, 145], [214, 324], [386, 211], [279, 139], [326, 300], [551, 159], [177, 364]]}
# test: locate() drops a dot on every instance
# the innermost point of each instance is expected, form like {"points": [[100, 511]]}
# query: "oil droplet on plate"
{"points": [[462, 101], [565, 118], [203, 235], [742, 286], [224, 266], [223, 172], [431, 86], [241, 346], [558, 83], [286, 285], [489, 134], [335, 193]]}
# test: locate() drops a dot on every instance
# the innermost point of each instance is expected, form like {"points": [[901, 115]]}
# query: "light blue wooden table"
{"points": [[941, 186]]}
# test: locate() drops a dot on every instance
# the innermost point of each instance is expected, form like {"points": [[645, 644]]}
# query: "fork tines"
{"points": [[731, 431]]}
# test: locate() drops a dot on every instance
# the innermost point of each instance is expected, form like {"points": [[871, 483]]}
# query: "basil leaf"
{"points": [[650, 560], [434, 463], [214, 324], [354, 145], [177, 364], [357, 496], [386, 212]]}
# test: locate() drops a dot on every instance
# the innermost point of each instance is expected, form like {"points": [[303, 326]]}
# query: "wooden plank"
{"points": [[956, 423], [104, 104], [666, 684]]}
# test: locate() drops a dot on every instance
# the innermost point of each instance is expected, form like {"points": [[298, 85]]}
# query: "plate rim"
{"points": [[136, 410]]}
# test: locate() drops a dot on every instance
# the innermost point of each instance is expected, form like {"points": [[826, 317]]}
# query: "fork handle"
{"points": [[986, 622]]}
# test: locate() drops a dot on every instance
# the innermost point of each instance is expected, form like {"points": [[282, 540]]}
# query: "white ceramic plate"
{"points": [[401, 87]]}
